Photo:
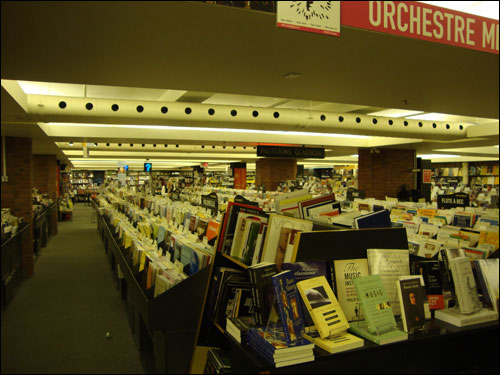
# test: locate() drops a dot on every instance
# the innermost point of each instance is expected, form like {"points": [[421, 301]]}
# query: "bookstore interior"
{"points": [[309, 214]]}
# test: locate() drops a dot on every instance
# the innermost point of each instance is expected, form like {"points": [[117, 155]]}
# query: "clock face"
{"points": [[312, 9]]}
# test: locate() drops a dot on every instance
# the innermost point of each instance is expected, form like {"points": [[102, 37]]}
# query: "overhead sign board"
{"points": [[418, 20], [291, 152], [321, 17]]}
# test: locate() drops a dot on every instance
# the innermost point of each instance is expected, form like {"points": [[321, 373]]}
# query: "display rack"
{"points": [[11, 264], [168, 323]]}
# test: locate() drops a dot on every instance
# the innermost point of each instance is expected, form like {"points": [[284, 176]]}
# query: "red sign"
{"points": [[417, 20], [240, 178], [426, 176]]}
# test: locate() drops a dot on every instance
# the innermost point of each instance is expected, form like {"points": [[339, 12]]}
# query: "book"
{"points": [[465, 285], [431, 272], [336, 343], [262, 290], [303, 271], [390, 264], [251, 241], [375, 304], [315, 202], [378, 219], [345, 271], [275, 224], [394, 335], [454, 317], [275, 344], [287, 299], [257, 253], [239, 326], [487, 271], [411, 298], [241, 233], [218, 362], [323, 306], [286, 359]]}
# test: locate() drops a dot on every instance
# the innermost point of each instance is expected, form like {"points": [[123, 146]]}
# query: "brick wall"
{"points": [[45, 180], [381, 174], [271, 172], [16, 193]]}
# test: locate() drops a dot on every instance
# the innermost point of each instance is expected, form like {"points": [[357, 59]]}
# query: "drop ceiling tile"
{"points": [[127, 93], [242, 100]]}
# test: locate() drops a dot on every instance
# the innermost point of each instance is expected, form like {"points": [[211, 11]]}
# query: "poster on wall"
{"points": [[240, 178], [321, 17]]}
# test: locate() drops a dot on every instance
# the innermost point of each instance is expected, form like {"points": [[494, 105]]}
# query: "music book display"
{"points": [[411, 294]]}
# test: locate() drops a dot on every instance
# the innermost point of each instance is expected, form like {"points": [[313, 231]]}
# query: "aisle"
{"points": [[57, 321]]}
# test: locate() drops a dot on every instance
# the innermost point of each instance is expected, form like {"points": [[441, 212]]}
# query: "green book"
{"points": [[360, 328], [374, 304]]}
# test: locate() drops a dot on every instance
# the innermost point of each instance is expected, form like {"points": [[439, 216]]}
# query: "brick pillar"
{"points": [[45, 180], [271, 172], [16, 193], [381, 174]]}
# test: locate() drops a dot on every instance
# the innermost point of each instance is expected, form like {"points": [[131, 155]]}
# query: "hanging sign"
{"points": [[453, 200], [321, 17], [426, 176], [418, 20], [291, 152]]}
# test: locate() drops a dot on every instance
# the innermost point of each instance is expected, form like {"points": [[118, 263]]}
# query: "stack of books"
{"points": [[274, 348], [238, 327], [218, 362]]}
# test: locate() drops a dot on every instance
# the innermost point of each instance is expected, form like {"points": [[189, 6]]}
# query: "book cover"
{"points": [[257, 253], [431, 272], [304, 271], [375, 303], [251, 242], [287, 300], [282, 246], [283, 360], [389, 264], [411, 298], [379, 219], [313, 202], [336, 343], [323, 306], [275, 224], [262, 289], [488, 271], [465, 285], [345, 272], [360, 328], [212, 229]]}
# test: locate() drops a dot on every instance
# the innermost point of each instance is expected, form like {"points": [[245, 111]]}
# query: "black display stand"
{"points": [[11, 264], [40, 232], [168, 324], [439, 348]]}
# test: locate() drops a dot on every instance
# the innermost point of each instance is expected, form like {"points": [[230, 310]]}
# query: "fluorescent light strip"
{"points": [[437, 156], [395, 113], [220, 130]]}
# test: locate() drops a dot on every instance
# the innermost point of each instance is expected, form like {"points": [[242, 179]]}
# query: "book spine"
{"points": [[447, 272], [255, 297]]}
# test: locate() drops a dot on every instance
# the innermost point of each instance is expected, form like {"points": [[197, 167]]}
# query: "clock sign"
{"points": [[322, 17]]}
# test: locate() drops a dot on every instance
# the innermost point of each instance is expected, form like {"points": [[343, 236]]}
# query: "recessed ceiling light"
{"points": [[71, 143], [292, 75], [394, 113]]}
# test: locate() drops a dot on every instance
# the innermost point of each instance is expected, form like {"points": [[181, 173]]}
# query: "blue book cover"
{"points": [[288, 303], [379, 219], [303, 271]]}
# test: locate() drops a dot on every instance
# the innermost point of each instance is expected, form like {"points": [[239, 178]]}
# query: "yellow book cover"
{"points": [[323, 306], [427, 212]]}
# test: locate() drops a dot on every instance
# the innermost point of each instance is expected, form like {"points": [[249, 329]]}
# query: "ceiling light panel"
{"points": [[127, 93], [52, 89], [243, 100], [395, 113], [487, 9]]}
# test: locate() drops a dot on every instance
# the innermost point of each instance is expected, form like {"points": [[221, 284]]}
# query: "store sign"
{"points": [[417, 20], [321, 17], [453, 200], [291, 152], [148, 167], [426, 176]]}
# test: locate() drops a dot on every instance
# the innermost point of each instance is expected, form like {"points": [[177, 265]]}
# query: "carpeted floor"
{"points": [[57, 321]]}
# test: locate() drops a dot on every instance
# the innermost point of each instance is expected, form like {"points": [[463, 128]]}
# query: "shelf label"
{"points": [[453, 200]]}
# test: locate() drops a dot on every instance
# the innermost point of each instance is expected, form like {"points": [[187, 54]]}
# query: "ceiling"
{"points": [[192, 52]]}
